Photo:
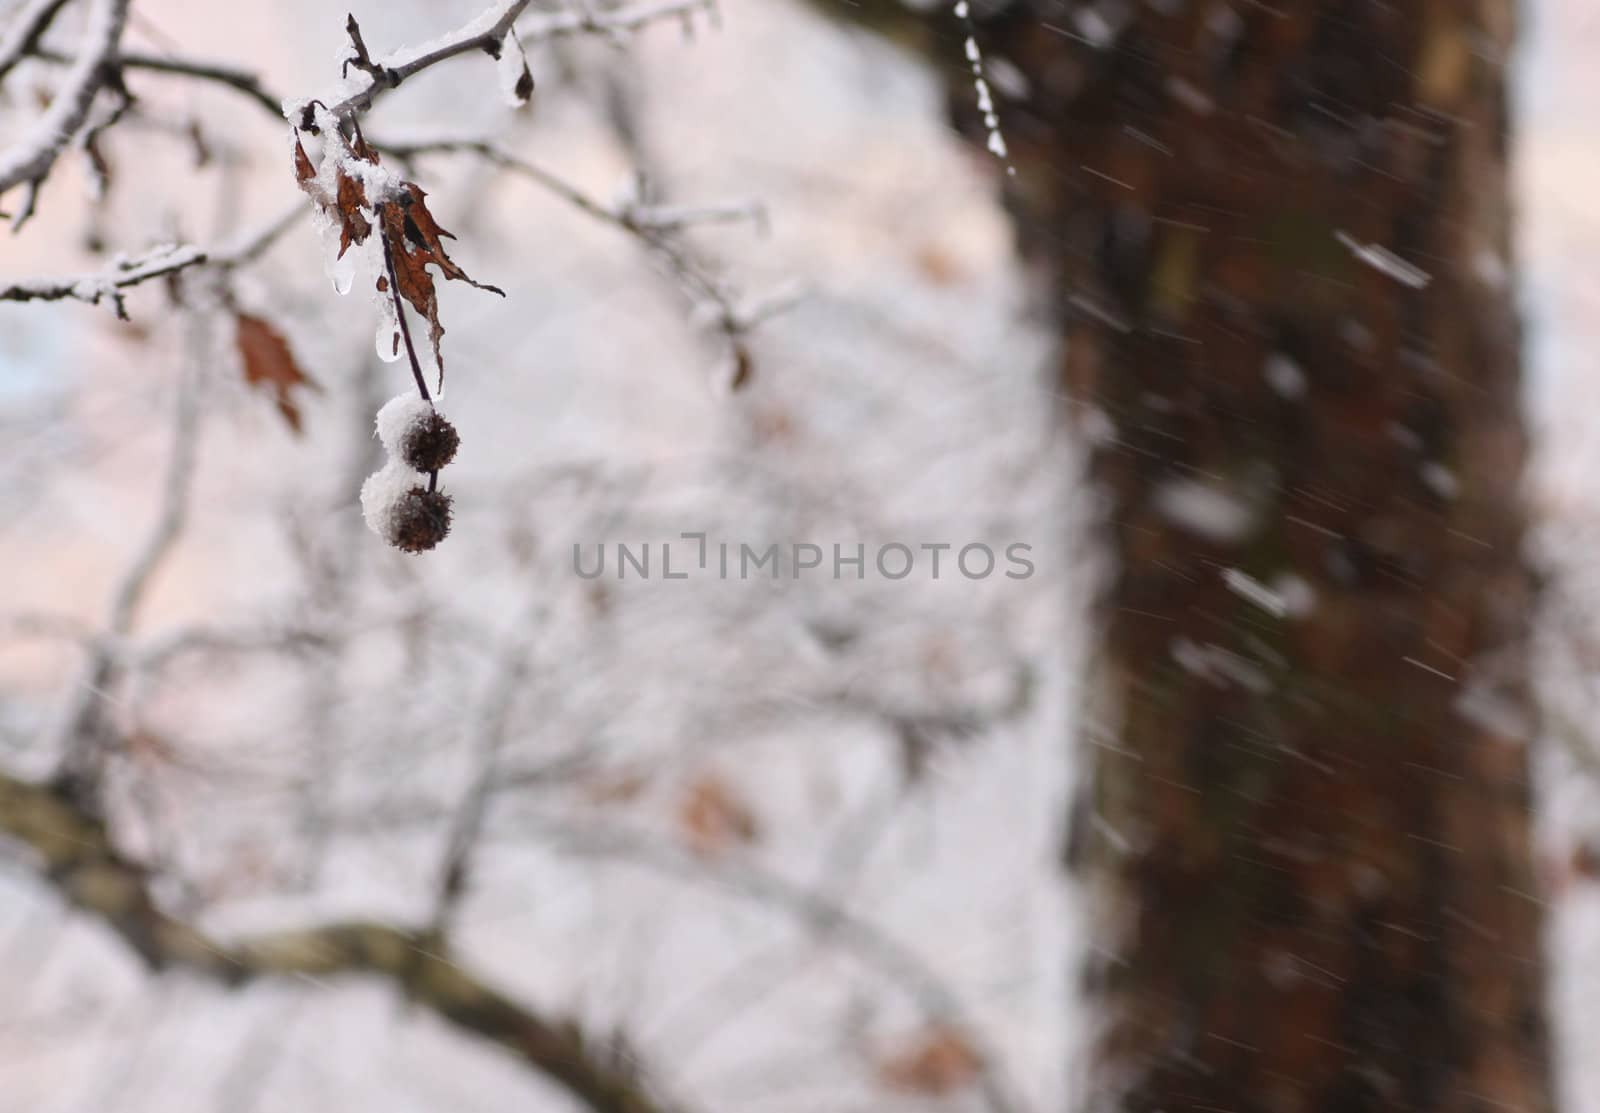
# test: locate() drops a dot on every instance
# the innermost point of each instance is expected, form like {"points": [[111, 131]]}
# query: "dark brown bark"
{"points": [[1311, 862], [1308, 857]]}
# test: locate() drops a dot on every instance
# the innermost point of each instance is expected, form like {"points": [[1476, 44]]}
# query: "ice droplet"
{"points": [[341, 271], [387, 343], [387, 338]]}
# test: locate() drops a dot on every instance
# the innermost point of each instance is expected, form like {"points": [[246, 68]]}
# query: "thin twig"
{"points": [[400, 314], [241, 81], [834, 923], [487, 30], [81, 733], [27, 28], [492, 721], [29, 161], [655, 227]]}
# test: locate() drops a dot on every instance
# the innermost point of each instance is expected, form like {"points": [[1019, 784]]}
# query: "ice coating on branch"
{"points": [[398, 417], [384, 492], [332, 160]]}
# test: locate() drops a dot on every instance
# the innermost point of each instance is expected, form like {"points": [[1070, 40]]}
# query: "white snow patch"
{"points": [[1405, 437], [399, 416], [1440, 480], [1219, 666], [1188, 94], [1252, 590], [1205, 510], [1381, 259], [381, 495], [1286, 377], [1491, 269], [1097, 426], [1299, 597], [1357, 335]]}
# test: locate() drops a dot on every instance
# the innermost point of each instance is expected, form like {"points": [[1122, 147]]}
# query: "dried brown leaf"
{"points": [[940, 1061], [268, 363], [424, 234], [415, 240], [714, 818], [364, 150], [353, 224], [304, 172], [348, 205]]}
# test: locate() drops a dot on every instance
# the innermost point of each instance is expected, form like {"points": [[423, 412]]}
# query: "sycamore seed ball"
{"points": [[421, 520], [398, 501], [398, 507], [430, 443]]}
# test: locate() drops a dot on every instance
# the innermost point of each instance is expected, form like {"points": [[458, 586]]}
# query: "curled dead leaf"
{"points": [[415, 240], [349, 203], [304, 172], [353, 224]]}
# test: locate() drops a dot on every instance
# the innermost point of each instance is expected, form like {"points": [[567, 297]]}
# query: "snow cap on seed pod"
{"points": [[414, 430], [399, 416]]}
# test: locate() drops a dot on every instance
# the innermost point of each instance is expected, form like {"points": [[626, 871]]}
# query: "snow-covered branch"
{"points": [[108, 285], [28, 26], [486, 33], [28, 161]]}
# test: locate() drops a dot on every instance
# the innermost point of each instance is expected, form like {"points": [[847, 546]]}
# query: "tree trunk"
{"points": [[1279, 236]]}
